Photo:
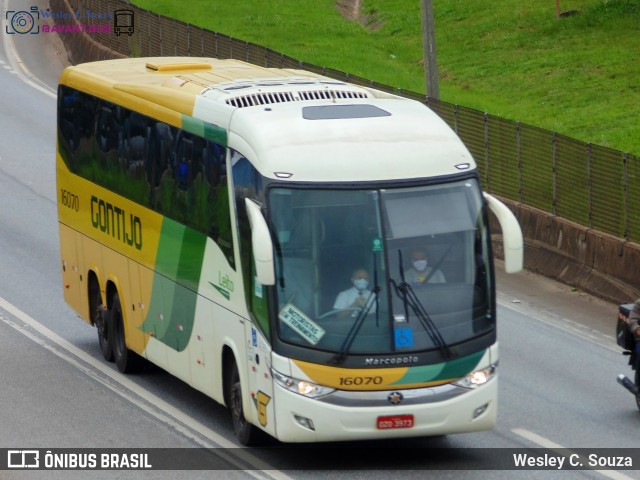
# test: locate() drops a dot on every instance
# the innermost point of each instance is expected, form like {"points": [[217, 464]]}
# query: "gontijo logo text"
{"points": [[114, 221]]}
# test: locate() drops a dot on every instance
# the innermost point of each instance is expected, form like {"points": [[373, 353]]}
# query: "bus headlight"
{"points": [[301, 387], [477, 377]]}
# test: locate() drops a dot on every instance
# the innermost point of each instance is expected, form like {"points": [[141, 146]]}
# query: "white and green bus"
{"points": [[253, 231]]}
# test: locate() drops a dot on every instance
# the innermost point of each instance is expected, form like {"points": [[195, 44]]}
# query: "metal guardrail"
{"points": [[588, 184]]}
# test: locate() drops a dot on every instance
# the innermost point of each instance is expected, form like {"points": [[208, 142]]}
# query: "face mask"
{"points": [[361, 283], [420, 265]]}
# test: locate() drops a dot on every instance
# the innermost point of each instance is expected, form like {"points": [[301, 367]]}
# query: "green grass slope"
{"points": [[577, 75]]}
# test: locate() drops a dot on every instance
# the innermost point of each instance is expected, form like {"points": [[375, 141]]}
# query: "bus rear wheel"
{"points": [[100, 319], [126, 360], [246, 433]]}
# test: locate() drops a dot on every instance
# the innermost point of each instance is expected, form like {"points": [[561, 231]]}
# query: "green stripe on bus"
{"points": [[205, 130], [175, 284], [457, 368]]}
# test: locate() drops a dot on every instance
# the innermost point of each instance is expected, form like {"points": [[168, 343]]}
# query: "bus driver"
{"points": [[354, 299]]}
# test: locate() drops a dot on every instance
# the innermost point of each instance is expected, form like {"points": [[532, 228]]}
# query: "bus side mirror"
{"points": [[511, 234], [261, 244]]}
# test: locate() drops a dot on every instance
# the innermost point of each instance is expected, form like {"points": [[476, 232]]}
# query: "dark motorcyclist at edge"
{"points": [[628, 337]]}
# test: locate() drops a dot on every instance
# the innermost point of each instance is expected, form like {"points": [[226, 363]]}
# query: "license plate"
{"points": [[395, 421]]}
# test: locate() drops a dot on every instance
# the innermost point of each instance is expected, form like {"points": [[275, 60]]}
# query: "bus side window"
{"points": [[68, 134], [247, 183], [159, 152], [217, 215], [173, 172]]}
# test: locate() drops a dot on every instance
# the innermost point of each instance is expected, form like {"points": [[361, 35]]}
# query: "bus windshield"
{"points": [[382, 271]]}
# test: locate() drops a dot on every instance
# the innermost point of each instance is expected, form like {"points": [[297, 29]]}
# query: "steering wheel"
{"points": [[338, 310]]}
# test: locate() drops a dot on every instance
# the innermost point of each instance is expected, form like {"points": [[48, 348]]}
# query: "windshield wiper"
{"points": [[339, 357], [435, 267], [410, 299]]}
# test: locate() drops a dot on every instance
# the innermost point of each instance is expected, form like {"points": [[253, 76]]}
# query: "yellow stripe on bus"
{"points": [[133, 99], [362, 378]]}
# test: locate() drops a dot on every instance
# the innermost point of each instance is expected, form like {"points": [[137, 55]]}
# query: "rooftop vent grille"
{"points": [[267, 98]]}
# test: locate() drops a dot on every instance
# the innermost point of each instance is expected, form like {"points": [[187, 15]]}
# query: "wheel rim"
{"points": [[237, 412], [236, 406], [102, 326], [118, 336], [95, 301], [98, 321]]}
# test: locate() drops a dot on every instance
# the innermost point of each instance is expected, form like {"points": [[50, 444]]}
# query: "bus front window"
{"points": [[381, 271], [437, 243]]}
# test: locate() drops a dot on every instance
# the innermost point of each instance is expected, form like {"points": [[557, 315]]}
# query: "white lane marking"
{"points": [[572, 327], [125, 388], [546, 443]]}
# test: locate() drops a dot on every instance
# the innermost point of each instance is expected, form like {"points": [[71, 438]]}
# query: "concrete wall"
{"points": [[592, 261]]}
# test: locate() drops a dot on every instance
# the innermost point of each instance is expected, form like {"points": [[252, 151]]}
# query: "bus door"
{"points": [[260, 382], [259, 359]]}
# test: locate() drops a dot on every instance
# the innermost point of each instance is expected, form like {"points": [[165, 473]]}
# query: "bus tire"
{"points": [[126, 360], [100, 319], [246, 433]]}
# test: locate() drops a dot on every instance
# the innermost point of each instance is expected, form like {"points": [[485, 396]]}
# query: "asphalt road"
{"points": [[558, 358]]}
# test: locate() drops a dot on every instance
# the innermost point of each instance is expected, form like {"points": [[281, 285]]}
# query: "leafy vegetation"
{"points": [[577, 74]]}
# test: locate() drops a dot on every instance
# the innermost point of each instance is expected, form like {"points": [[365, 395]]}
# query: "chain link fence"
{"points": [[588, 184]]}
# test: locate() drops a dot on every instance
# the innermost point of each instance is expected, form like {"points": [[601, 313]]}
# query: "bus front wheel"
{"points": [[246, 433]]}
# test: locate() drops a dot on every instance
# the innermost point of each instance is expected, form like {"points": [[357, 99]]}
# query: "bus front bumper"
{"points": [[343, 416]]}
